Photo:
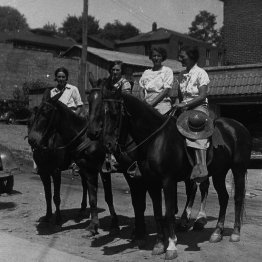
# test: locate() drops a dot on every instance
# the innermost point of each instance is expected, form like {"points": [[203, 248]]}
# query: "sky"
{"points": [[176, 15]]}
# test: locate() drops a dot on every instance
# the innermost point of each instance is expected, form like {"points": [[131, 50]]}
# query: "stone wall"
{"points": [[18, 66]]}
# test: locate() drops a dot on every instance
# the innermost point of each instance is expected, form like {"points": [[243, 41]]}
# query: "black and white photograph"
{"points": [[130, 130]]}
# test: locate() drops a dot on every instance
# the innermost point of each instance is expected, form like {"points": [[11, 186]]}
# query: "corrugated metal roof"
{"points": [[236, 83], [127, 58]]}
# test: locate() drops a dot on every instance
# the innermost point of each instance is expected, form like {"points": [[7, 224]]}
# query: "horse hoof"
{"points": [[183, 227], [45, 219], [57, 228], [234, 238], [215, 237], [200, 223], [90, 233], [171, 254], [141, 243], [114, 231], [158, 249]]}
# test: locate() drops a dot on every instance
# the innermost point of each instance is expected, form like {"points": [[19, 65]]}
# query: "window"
{"points": [[207, 57], [179, 47], [180, 44], [219, 55], [147, 49], [208, 54]]}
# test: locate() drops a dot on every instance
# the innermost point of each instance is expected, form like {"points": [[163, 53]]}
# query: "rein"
{"points": [[150, 136], [80, 147], [171, 113]]}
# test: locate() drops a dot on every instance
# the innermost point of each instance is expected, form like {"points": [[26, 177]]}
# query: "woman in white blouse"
{"points": [[156, 82], [193, 87]]}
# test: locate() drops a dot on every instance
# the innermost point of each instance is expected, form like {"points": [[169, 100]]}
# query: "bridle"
{"points": [[124, 112], [50, 130]]}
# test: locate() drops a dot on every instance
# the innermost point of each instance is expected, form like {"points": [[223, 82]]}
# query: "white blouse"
{"points": [[70, 97], [189, 82]]}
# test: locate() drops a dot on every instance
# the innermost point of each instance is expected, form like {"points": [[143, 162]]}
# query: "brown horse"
{"points": [[163, 160], [70, 142], [53, 118]]}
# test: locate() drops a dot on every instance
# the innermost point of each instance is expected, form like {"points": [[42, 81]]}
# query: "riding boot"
{"points": [[199, 172]]}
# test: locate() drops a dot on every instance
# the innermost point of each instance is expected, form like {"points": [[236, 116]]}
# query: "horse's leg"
{"points": [[239, 180], [82, 211], [191, 189], [56, 198], [138, 195], [170, 193], [155, 193], [106, 179], [201, 219], [92, 186], [220, 187], [46, 180]]}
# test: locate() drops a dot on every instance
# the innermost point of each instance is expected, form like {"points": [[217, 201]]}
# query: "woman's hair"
{"points": [[61, 69], [119, 63], [192, 52], [160, 50]]}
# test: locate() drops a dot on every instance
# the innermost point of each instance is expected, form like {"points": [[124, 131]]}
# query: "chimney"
{"points": [[154, 27]]}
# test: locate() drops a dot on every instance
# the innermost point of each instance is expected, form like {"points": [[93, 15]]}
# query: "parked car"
{"points": [[12, 111]]}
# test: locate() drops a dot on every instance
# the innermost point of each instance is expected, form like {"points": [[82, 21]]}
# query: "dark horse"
{"points": [[163, 160], [57, 136], [53, 117]]}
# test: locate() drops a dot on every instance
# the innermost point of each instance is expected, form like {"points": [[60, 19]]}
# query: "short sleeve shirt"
{"points": [[157, 81], [70, 97], [154, 82], [124, 84], [189, 82]]}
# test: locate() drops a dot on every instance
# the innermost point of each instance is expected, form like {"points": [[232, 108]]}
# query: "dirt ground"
{"points": [[20, 211]]}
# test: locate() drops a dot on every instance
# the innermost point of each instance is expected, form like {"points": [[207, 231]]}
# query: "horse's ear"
{"points": [[46, 95], [92, 80]]}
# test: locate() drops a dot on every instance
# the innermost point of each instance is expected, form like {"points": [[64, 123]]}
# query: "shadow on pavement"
{"points": [[74, 214], [7, 205]]}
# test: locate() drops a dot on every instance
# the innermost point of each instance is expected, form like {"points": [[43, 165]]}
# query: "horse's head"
{"points": [[113, 112], [42, 122], [95, 111]]}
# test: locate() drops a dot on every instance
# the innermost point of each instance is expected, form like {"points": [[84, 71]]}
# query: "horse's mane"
{"points": [[143, 107]]}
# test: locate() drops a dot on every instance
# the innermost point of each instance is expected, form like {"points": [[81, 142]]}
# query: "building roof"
{"points": [[103, 42], [158, 34], [36, 38], [242, 80], [126, 58]]}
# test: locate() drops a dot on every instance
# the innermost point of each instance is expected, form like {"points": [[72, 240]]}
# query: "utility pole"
{"points": [[84, 68]]}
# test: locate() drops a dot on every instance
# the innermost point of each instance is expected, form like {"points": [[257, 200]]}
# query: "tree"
{"points": [[11, 20], [72, 27], [203, 28], [119, 31], [51, 27]]}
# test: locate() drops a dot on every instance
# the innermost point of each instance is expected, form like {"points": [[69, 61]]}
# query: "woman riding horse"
{"points": [[163, 160]]}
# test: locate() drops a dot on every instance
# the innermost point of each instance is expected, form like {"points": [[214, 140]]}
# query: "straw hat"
{"points": [[194, 124]]}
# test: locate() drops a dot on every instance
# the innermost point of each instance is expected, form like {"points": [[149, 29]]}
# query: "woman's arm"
{"points": [[159, 97], [198, 100]]}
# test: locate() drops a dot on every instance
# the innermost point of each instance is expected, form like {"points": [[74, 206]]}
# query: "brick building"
{"points": [[172, 41], [243, 31], [18, 66]]}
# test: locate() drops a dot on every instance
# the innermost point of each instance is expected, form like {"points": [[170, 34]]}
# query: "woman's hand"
{"points": [[181, 105]]}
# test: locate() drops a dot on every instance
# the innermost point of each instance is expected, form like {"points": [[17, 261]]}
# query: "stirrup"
{"points": [[133, 170], [107, 166]]}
